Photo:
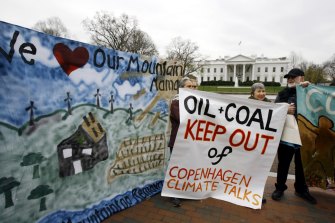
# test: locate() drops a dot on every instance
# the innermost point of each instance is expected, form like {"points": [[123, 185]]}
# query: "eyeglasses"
{"points": [[190, 86]]}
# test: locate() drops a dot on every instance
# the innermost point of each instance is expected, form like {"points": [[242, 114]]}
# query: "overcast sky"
{"points": [[273, 28]]}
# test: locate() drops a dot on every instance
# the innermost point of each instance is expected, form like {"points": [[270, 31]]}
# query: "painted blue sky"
{"points": [[46, 84]]}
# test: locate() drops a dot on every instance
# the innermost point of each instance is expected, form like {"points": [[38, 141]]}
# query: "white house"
{"points": [[244, 69]]}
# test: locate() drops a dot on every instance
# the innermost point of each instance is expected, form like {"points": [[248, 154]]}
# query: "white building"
{"points": [[244, 69]]}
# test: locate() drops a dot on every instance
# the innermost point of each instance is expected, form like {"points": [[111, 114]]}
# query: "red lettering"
{"points": [[170, 172], [219, 129], [247, 142], [267, 138], [233, 135], [207, 131], [189, 128], [199, 130]]}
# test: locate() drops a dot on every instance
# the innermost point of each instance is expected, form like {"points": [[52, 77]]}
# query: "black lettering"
{"points": [[29, 49], [259, 119], [152, 67], [95, 58], [200, 106], [97, 214], [186, 104], [111, 63], [132, 60], [154, 81], [10, 54], [145, 66], [119, 61], [169, 70], [226, 112], [268, 122], [104, 213], [206, 110], [238, 116]]}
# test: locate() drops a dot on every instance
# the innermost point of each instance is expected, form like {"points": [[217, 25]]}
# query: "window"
{"points": [[258, 69], [208, 70], [214, 77], [221, 70], [265, 79], [273, 79], [202, 79], [248, 79], [273, 69], [207, 78], [266, 69], [258, 79], [231, 78], [221, 78], [282, 69], [214, 70]]}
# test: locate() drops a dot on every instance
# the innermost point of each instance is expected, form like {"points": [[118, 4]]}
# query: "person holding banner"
{"points": [[286, 151], [258, 92], [185, 82]]}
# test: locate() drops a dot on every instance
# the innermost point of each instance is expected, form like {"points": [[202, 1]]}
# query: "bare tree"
{"points": [[120, 33], [329, 68], [186, 52], [53, 26], [297, 61]]}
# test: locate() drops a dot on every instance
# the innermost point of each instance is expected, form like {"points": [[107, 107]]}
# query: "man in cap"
{"points": [[285, 151]]}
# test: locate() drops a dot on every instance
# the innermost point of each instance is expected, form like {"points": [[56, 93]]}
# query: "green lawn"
{"points": [[237, 90]]}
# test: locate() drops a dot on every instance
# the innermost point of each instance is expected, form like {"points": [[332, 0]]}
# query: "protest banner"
{"points": [[82, 128], [316, 118], [224, 148]]}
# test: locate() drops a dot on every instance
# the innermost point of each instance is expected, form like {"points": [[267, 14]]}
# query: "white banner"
{"points": [[224, 148]]}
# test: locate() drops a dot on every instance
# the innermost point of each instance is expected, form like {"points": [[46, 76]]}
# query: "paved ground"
{"points": [[290, 209]]}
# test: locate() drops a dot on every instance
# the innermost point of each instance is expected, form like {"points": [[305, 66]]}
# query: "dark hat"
{"points": [[295, 72]]}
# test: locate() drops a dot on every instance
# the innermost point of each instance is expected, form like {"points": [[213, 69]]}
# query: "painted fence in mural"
{"points": [[316, 120], [82, 128]]}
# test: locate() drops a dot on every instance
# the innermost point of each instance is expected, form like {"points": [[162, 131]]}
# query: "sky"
{"points": [[270, 28]]}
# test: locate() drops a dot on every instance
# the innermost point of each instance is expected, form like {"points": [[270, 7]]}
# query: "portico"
{"points": [[244, 68]]}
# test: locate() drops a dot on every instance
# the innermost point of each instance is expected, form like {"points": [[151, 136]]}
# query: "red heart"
{"points": [[70, 60]]}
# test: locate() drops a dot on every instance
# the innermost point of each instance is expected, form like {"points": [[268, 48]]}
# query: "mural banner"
{"points": [[224, 148], [82, 128], [316, 118]]}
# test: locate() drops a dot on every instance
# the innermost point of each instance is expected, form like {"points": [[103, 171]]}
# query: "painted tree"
{"points": [[111, 100], [40, 192], [97, 95], [33, 159], [6, 186], [31, 109], [68, 100]]}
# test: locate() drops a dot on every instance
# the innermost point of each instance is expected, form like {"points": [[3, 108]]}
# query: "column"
{"points": [[253, 72], [243, 73], [226, 72], [234, 77]]}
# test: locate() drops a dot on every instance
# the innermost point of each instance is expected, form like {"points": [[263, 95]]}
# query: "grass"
{"points": [[237, 90]]}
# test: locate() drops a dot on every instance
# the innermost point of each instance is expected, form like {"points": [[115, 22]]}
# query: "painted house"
{"points": [[84, 149]]}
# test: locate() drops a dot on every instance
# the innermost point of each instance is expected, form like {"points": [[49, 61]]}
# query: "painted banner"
{"points": [[224, 148], [316, 118], [82, 128]]}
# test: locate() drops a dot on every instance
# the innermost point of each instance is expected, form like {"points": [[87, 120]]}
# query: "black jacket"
{"points": [[288, 95]]}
